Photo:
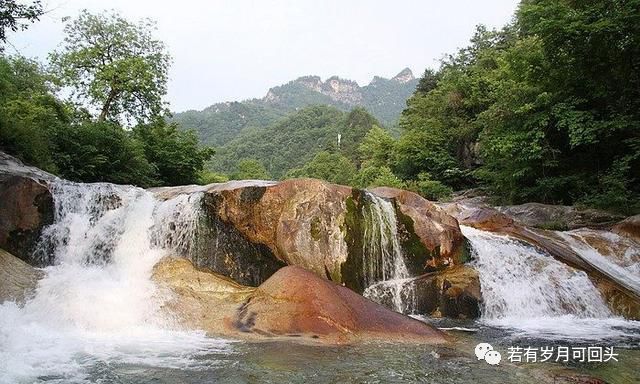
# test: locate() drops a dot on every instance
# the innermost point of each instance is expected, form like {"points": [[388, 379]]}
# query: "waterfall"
{"points": [[97, 301], [384, 269], [530, 291]]}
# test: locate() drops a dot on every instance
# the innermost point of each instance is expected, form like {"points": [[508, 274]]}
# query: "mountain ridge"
{"points": [[219, 123]]}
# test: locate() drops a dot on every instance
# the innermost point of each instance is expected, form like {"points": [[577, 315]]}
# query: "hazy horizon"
{"points": [[232, 51]]}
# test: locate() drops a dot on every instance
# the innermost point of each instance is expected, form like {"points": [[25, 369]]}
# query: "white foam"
{"points": [[527, 290], [97, 302]]}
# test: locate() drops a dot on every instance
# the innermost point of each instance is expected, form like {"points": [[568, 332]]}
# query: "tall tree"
{"points": [[114, 65], [15, 16]]}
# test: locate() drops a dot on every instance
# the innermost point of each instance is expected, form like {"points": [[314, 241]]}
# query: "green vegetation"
{"points": [[546, 109], [333, 167], [14, 16], [286, 145], [114, 65], [221, 123], [64, 138], [250, 169]]}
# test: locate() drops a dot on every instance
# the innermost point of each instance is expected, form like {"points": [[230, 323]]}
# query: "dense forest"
{"points": [[545, 109]]}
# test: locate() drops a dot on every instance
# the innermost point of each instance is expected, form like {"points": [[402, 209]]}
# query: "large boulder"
{"points": [[18, 279], [261, 226], [293, 303], [26, 207], [560, 217], [454, 292]]}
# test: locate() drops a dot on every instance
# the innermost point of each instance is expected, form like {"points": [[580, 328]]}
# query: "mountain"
{"points": [[293, 141], [222, 122]]}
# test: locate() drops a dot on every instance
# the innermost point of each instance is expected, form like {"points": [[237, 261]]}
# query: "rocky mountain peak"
{"points": [[404, 76]]}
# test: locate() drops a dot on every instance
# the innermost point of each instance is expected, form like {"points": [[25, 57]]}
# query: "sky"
{"points": [[226, 50]]}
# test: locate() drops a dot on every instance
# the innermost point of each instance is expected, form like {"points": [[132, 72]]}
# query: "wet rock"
{"points": [[255, 227], [300, 221], [26, 206], [621, 297], [629, 227], [436, 230], [293, 303], [619, 302], [18, 279], [558, 217], [453, 292]]}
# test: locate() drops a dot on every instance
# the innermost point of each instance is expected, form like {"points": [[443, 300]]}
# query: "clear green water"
{"points": [[291, 362]]}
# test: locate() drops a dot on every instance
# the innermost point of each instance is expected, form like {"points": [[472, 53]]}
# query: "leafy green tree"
{"points": [[114, 65], [250, 169], [208, 177], [428, 188], [371, 176], [30, 115], [358, 122], [102, 151], [175, 155], [332, 167], [14, 16], [377, 148]]}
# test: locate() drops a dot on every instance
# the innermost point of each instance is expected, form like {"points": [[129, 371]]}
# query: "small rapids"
{"points": [[530, 292], [97, 303], [385, 271]]}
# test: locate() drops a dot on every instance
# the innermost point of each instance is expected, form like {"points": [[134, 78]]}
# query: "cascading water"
{"points": [[527, 290], [385, 272], [97, 302], [622, 258]]}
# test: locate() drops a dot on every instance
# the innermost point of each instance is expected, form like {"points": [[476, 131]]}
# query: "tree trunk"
{"points": [[107, 105]]}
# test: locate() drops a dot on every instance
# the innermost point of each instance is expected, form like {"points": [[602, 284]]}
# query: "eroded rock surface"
{"points": [[26, 206], [293, 303], [18, 279], [253, 228]]}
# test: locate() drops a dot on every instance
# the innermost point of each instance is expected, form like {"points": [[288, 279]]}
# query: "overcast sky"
{"points": [[238, 49]]}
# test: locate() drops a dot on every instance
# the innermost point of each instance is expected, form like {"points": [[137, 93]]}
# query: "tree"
{"points": [[357, 123], [114, 65], [250, 169], [371, 176], [377, 148], [332, 167], [30, 115], [13, 17], [102, 151], [175, 155]]}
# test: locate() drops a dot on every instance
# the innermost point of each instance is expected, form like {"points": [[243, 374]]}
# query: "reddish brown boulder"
{"points": [[629, 227], [26, 206], [313, 224], [310, 306], [293, 303]]}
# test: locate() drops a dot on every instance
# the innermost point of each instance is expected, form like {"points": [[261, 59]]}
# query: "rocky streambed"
{"points": [[187, 270]]}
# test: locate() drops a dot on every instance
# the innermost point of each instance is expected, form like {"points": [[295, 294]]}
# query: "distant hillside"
{"points": [[293, 141], [220, 123]]}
